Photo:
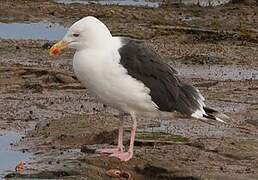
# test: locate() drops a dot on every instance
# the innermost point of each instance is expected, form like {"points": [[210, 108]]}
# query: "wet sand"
{"points": [[214, 49]]}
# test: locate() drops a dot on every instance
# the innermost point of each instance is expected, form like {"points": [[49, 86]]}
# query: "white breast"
{"points": [[102, 74]]}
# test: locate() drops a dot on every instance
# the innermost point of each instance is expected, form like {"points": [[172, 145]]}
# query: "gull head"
{"points": [[88, 32]]}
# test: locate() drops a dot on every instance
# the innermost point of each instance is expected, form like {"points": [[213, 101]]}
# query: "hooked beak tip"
{"points": [[55, 50]]}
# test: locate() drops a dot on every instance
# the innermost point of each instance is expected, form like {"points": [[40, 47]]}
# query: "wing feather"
{"points": [[145, 65]]}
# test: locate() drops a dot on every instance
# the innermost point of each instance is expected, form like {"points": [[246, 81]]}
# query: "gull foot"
{"points": [[123, 156], [109, 151]]}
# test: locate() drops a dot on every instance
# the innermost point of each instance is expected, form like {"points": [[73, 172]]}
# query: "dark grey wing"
{"points": [[166, 90]]}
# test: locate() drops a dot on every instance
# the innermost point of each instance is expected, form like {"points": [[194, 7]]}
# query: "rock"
{"points": [[43, 175], [36, 87], [47, 45], [106, 137], [156, 172], [86, 149], [61, 78]]}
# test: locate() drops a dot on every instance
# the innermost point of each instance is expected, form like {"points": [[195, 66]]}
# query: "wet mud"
{"points": [[215, 49]]}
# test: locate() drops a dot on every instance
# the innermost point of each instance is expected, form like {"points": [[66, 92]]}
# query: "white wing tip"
{"points": [[220, 120], [199, 115]]}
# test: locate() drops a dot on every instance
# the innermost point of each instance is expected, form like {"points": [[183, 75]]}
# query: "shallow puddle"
{"points": [[205, 2], [218, 72], [153, 4], [40, 30], [9, 157]]}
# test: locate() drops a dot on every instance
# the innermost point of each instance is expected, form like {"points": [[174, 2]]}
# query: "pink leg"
{"points": [[126, 156], [119, 148], [120, 137]]}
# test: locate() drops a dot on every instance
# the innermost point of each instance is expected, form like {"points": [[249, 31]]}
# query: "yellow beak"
{"points": [[55, 50]]}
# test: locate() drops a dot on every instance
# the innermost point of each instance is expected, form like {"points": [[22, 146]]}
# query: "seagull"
{"points": [[129, 76]]}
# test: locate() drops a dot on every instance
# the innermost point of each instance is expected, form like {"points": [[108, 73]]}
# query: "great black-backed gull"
{"points": [[128, 76]]}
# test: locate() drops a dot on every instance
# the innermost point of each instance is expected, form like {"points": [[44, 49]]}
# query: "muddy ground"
{"points": [[64, 124]]}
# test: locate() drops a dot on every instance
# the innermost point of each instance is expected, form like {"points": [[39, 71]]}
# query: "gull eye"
{"points": [[76, 35]]}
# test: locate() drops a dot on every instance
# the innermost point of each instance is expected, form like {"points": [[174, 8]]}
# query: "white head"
{"points": [[88, 32]]}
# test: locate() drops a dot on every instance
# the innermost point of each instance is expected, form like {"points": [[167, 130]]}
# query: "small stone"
{"points": [[47, 45], [20, 167], [86, 149], [52, 13]]}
